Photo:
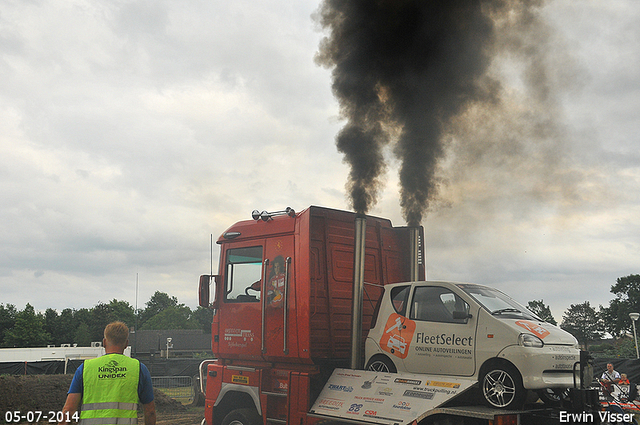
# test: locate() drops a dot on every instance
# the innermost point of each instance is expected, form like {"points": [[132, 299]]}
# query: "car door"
{"points": [[444, 338]]}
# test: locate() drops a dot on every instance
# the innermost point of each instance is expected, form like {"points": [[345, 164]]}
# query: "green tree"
{"points": [[626, 348], [157, 303], [102, 314], [542, 311], [66, 327], [28, 330], [51, 325], [123, 311], [83, 336], [204, 317], [7, 320], [175, 317], [627, 300], [583, 322]]}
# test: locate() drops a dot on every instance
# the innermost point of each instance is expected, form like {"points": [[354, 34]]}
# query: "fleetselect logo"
{"points": [[533, 328], [397, 336]]}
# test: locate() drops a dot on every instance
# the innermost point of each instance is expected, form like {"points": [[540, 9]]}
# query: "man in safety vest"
{"points": [[107, 390]]}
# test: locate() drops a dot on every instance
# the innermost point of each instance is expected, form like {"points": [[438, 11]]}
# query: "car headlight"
{"points": [[528, 340]]}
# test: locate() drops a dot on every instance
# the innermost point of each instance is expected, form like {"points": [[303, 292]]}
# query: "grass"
{"points": [[183, 395]]}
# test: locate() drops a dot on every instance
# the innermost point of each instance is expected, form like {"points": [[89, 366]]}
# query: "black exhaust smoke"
{"points": [[402, 69]]}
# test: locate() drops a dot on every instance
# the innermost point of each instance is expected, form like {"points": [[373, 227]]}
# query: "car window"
{"points": [[399, 299], [436, 304], [497, 303]]}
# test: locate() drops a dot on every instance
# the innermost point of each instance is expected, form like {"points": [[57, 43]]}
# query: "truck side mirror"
{"points": [[204, 291]]}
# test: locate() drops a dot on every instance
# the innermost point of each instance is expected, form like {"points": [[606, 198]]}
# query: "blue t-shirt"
{"points": [[145, 388]]}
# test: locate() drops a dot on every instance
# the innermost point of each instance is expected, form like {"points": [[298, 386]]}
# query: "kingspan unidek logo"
{"points": [[112, 370]]}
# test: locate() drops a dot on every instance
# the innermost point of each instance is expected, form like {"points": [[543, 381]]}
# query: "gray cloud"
{"points": [[131, 131]]}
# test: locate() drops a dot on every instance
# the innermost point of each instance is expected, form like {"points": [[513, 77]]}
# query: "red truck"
{"points": [[275, 348], [284, 319]]}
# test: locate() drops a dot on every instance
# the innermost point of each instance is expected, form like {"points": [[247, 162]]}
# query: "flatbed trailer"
{"points": [[366, 397]]}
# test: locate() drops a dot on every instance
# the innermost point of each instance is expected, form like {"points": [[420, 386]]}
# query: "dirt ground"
{"points": [[45, 393]]}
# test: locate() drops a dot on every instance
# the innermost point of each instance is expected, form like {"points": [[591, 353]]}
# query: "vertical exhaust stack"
{"points": [[414, 253], [358, 290]]}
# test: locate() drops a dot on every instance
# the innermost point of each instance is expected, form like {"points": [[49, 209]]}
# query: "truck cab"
{"points": [[283, 306], [284, 287], [470, 330]]}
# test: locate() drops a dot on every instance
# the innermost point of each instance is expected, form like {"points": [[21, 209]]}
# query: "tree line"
{"points": [[588, 324], [28, 328]]}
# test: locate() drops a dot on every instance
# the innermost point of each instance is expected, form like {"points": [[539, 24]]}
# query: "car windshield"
{"points": [[497, 303]]}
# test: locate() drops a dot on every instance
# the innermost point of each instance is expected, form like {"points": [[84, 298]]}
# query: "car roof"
{"points": [[437, 282]]}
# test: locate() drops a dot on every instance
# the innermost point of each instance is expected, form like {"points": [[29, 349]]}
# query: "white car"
{"points": [[470, 330]]}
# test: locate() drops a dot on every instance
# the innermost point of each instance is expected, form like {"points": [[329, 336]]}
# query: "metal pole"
{"points": [[635, 337], [263, 300], [634, 317], [285, 302], [358, 291], [135, 337], [414, 253]]}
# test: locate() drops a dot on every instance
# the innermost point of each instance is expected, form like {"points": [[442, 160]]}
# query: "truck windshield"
{"points": [[497, 303], [243, 270]]}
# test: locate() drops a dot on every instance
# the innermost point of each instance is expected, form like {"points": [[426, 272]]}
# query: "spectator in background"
{"points": [[608, 378], [610, 375], [624, 380]]}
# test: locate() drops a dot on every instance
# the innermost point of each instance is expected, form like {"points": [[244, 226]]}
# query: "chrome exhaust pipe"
{"points": [[414, 253], [358, 291]]}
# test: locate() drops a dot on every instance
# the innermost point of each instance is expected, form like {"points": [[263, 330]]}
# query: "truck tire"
{"points": [[198, 396], [380, 363], [246, 416], [501, 387]]}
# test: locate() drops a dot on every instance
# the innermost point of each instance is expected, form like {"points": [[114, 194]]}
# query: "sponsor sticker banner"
{"points": [[385, 398]]}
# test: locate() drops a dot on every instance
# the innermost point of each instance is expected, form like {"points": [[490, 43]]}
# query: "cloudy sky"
{"points": [[130, 131]]}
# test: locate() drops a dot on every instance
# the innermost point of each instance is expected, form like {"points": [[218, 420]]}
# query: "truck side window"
{"points": [[435, 304], [243, 273], [399, 299]]}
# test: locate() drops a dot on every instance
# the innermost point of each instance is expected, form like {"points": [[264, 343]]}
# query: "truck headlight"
{"points": [[528, 340]]}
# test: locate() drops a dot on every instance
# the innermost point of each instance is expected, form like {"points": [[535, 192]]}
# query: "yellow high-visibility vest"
{"points": [[110, 391]]}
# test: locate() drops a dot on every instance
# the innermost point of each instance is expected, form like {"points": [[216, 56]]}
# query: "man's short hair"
{"points": [[117, 333]]}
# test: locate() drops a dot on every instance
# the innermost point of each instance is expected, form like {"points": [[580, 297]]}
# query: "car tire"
{"points": [[501, 386], [381, 363], [242, 417]]}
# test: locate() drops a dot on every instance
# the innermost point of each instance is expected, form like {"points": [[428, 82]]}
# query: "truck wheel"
{"points": [[242, 417], [198, 396], [381, 364], [502, 387]]}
